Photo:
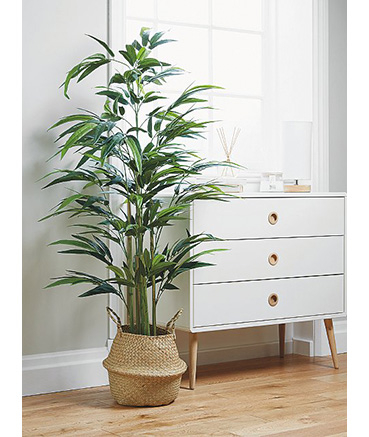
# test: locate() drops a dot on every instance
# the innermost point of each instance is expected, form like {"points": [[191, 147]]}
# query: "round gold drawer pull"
{"points": [[273, 259], [273, 218], [273, 300]]}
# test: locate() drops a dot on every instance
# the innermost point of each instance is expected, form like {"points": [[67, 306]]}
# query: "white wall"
{"points": [[338, 95], [54, 41]]}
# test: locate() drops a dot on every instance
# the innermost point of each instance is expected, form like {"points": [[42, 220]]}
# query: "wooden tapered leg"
{"points": [[282, 336], [332, 341], [193, 359]]}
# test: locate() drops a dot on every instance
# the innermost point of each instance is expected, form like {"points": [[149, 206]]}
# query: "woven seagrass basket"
{"points": [[144, 370]]}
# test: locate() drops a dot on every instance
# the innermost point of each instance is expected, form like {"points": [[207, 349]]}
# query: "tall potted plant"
{"points": [[128, 156]]}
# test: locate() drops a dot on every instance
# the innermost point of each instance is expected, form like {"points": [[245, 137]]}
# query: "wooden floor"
{"points": [[294, 396]]}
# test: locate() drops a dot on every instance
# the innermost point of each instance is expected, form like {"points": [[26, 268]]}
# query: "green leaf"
{"points": [[134, 146], [85, 252], [145, 34], [170, 287], [71, 243], [122, 281], [173, 71], [106, 47], [71, 74], [127, 58], [152, 98], [163, 41], [131, 54], [147, 258], [70, 118], [151, 62], [157, 259], [136, 45], [69, 200], [135, 129], [70, 176], [113, 95], [105, 248], [66, 281], [91, 68], [80, 133], [160, 267], [100, 289], [156, 37], [116, 270], [142, 53], [117, 78]]}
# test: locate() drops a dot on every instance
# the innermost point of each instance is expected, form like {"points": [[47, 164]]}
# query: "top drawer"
{"points": [[270, 217]]}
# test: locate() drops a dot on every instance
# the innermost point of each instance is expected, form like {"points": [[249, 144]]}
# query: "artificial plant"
{"points": [[129, 160]]}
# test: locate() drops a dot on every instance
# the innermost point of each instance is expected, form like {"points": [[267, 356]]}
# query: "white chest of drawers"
{"points": [[285, 263]]}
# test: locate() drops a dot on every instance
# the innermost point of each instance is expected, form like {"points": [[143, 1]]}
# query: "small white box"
{"points": [[271, 181]]}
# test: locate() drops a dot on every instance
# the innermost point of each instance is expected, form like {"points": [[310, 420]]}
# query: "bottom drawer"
{"points": [[240, 302]]}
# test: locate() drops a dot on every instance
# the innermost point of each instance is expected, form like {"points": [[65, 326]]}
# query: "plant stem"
{"points": [[144, 322], [153, 288], [144, 308], [130, 267], [141, 277], [137, 301]]}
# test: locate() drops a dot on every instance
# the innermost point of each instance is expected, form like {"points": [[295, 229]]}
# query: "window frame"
{"points": [[158, 24]]}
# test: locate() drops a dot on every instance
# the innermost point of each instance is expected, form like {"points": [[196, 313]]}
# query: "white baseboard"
{"points": [[302, 346], [60, 371], [70, 370], [341, 342], [235, 353]]}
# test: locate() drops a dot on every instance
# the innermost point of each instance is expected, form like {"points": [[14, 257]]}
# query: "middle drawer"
{"points": [[271, 258]]}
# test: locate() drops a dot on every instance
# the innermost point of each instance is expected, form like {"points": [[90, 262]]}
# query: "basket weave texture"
{"points": [[144, 370]]}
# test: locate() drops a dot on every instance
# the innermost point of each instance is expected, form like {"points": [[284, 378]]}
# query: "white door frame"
{"points": [[116, 40]]}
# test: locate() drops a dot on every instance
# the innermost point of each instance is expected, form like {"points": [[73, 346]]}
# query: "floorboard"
{"points": [[294, 396]]}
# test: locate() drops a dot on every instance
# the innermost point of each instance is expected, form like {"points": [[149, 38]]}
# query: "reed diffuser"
{"points": [[228, 149]]}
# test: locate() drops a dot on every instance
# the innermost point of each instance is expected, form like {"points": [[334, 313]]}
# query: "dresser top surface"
{"points": [[256, 194], [279, 194]]}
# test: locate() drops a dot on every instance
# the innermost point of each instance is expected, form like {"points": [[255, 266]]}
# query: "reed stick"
{"points": [[228, 149]]}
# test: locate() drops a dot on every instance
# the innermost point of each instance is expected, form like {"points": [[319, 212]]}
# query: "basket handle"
{"points": [[114, 317], [171, 324]]}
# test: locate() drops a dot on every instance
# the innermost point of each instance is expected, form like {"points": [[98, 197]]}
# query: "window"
{"points": [[260, 51]]}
